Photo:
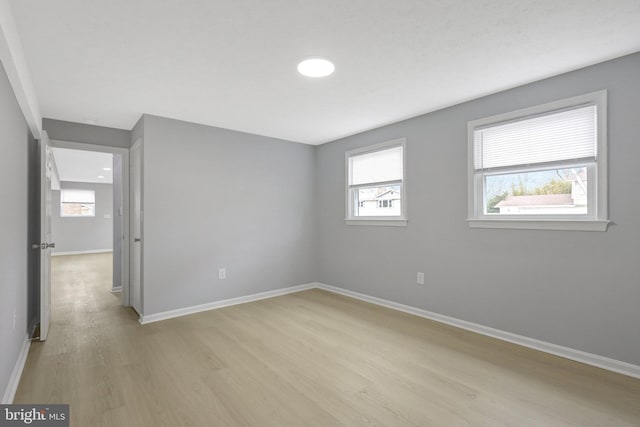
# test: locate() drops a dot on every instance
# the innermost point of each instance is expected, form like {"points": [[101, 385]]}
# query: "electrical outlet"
{"points": [[222, 273], [420, 278]]}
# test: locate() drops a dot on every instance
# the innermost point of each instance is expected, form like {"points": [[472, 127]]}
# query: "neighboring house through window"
{"points": [[543, 167], [376, 187], [75, 202]]}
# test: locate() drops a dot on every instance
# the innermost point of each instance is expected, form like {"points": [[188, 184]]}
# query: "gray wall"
{"points": [[576, 289], [137, 132], [218, 198], [91, 134], [14, 137], [74, 234]]}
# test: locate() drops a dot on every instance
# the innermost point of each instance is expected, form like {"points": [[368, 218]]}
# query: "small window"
{"points": [[376, 185], [543, 167], [77, 202], [385, 203]]}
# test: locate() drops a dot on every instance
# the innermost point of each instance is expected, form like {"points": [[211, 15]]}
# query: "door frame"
{"points": [[137, 145], [46, 209], [124, 152]]}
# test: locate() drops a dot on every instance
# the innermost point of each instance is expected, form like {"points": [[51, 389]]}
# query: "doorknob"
{"points": [[137, 239], [47, 245]]}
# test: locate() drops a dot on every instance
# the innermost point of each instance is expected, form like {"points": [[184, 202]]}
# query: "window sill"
{"points": [[541, 224], [378, 222]]}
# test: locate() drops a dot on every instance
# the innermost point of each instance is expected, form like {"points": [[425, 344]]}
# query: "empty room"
{"points": [[254, 213]]}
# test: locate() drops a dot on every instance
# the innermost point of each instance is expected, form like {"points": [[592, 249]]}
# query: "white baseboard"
{"points": [[558, 350], [93, 251], [116, 289], [149, 318], [14, 380]]}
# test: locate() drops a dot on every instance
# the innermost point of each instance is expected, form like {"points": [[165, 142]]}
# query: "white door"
{"points": [[45, 236], [136, 227]]}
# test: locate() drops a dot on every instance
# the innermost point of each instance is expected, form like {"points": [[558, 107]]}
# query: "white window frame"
{"points": [[597, 217], [400, 220], [63, 215]]}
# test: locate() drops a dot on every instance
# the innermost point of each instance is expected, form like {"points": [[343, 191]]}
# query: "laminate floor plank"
{"points": [[312, 358]]}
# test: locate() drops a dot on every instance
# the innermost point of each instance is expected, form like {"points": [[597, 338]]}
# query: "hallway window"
{"points": [[77, 202]]}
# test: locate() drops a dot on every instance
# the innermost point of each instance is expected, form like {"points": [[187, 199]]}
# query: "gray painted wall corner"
{"points": [[216, 198], [575, 289]]}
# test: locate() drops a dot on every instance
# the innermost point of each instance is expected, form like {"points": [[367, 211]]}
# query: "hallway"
{"points": [[72, 366]]}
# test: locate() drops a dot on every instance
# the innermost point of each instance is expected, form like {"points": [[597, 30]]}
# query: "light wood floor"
{"points": [[311, 358]]}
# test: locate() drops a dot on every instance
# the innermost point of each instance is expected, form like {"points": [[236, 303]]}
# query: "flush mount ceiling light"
{"points": [[106, 169], [316, 67], [100, 176]]}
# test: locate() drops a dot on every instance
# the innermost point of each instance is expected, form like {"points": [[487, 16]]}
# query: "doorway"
{"points": [[90, 221], [101, 262], [84, 210]]}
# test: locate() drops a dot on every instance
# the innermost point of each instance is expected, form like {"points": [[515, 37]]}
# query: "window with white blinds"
{"points": [[375, 190], [379, 166], [553, 137], [77, 196], [543, 163]]}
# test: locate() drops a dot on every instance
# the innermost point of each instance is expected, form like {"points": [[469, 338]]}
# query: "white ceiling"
{"points": [[83, 166], [232, 63]]}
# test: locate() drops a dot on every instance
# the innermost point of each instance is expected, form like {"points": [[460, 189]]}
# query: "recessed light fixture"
{"points": [[100, 176], [316, 67], [106, 169]]}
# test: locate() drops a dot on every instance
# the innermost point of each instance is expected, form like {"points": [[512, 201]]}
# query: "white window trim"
{"points": [[63, 215], [476, 217], [393, 221]]}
